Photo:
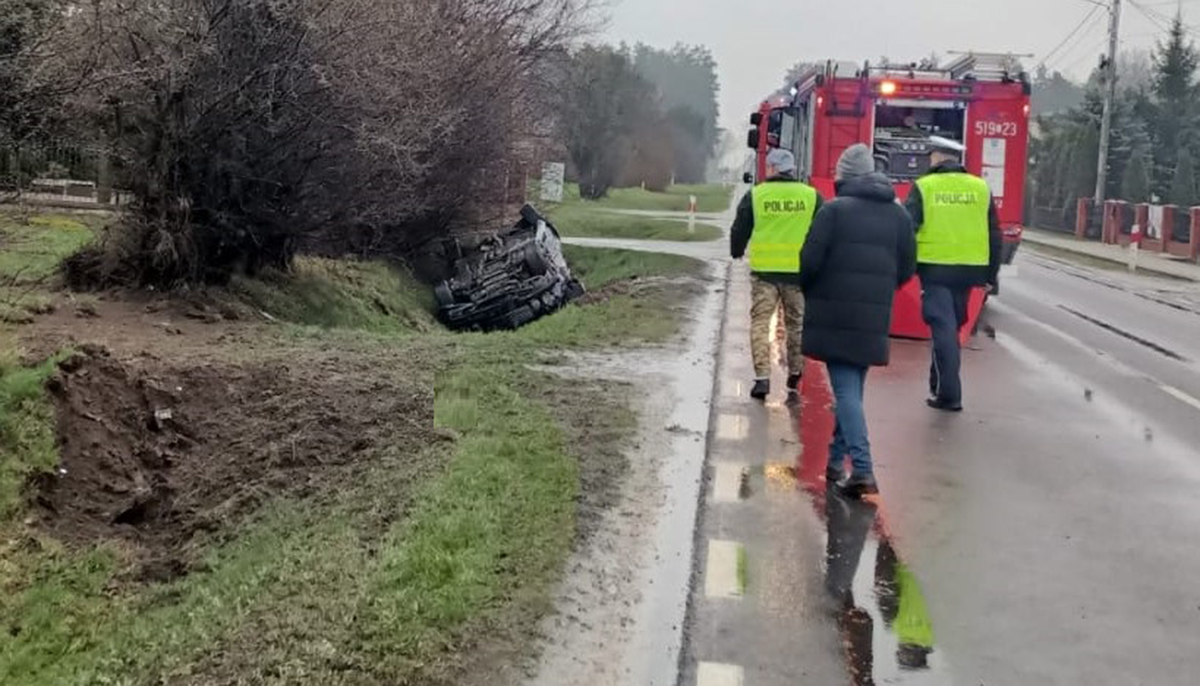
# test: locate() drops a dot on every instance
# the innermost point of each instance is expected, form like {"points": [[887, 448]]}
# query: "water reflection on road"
{"points": [[882, 617]]}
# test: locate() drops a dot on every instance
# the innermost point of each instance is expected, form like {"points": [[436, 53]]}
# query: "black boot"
{"points": [[859, 485], [762, 388], [793, 386], [833, 475], [943, 405]]}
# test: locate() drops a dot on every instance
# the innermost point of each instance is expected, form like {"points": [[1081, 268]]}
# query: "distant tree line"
{"points": [[1155, 132], [638, 116]]}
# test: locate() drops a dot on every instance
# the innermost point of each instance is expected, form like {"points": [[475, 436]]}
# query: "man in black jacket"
{"points": [[860, 249], [958, 248]]}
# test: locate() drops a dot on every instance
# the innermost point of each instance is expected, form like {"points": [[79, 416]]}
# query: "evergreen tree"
{"points": [[1135, 182], [1175, 63], [1183, 182]]}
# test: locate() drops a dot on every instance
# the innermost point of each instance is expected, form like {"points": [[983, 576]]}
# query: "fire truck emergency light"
{"points": [[887, 88]]}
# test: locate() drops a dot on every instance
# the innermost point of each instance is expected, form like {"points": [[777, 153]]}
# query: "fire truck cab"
{"points": [[979, 99]]}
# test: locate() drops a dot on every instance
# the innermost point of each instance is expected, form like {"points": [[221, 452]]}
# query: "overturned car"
{"points": [[509, 279]]}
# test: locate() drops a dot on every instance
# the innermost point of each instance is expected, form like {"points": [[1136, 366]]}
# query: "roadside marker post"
{"points": [[1135, 245]]}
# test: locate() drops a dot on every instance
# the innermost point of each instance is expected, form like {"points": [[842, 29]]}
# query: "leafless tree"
{"points": [[250, 129]]}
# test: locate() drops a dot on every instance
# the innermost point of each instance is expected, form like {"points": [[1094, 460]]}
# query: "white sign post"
{"points": [[552, 181]]}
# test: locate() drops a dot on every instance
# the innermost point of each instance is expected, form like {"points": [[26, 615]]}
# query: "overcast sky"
{"points": [[755, 41]]}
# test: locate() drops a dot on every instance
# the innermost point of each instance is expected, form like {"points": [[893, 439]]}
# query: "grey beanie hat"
{"points": [[857, 160], [783, 161]]}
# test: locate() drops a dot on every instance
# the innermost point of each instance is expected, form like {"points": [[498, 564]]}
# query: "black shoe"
{"points": [[793, 382], [832, 476], [943, 405], [762, 388], [858, 485]]}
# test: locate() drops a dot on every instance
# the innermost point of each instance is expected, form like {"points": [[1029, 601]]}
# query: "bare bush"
{"points": [[249, 129]]}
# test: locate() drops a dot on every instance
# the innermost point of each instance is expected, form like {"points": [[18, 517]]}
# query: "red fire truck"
{"points": [[980, 100]]}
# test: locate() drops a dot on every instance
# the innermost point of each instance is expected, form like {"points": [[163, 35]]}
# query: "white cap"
{"points": [[946, 144]]}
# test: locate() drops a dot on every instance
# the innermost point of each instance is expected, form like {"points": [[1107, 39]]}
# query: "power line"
{"points": [[1153, 16], [1070, 51], [1149, 14], [1087, 17], [1092, 52]]}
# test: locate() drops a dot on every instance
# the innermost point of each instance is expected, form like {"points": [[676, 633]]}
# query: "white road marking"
{"points": [[731, 427], [1180, 395], [716, 674], [727, 482], [1115, 364], [721, 570]]}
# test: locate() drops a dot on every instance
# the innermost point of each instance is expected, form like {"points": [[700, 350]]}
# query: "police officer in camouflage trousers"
{"points": [[772, 222], [958, 249]]}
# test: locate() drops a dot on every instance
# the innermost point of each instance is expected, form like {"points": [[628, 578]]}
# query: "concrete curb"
{"points": [[1142, 266]]}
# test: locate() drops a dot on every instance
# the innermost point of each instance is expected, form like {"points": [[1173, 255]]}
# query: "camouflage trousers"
{"points": [[766, 299]]}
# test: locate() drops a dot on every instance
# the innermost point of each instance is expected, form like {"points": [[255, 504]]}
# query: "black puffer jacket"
{"points": [[860, 249]]}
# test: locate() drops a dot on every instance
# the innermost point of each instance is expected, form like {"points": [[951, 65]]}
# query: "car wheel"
{"points": [[535, 262], [443, 295]]}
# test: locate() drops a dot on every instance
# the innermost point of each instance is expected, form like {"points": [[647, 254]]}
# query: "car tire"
{"points": [[443, 295], [535, 262]]}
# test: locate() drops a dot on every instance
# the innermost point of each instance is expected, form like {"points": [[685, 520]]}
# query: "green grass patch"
{"points": [[27, 439], [371, 296], [580, 220], [30, 253], [496, 529], [598, 267], [709, 198], [29, 257]]}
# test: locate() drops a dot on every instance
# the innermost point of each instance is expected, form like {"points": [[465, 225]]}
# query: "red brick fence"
{"points": [[1158, 228]]}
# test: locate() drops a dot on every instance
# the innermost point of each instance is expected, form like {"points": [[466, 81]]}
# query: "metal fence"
{"points": [[1057, 219], [58, 170]]}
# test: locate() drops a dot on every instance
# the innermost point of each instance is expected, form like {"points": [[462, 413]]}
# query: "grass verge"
{"points": [[709, 198], [329, 294], [422, 566], [579, 220]]}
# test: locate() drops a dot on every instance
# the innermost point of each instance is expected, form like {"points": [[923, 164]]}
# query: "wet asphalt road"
{"points": [[1050, 534]]}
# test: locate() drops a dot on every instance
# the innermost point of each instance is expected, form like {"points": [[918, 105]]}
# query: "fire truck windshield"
{"points": [[902, 130]]}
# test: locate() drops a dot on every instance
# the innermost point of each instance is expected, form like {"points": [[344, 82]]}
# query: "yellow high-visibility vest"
{"points": [[783, 214], [955, 228]]}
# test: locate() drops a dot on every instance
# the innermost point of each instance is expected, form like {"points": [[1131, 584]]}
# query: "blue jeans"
{"points": [[850, 432], [945, 311]]}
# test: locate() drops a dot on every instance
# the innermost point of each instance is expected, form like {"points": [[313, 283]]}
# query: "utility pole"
{"points": [[1110, 93]]}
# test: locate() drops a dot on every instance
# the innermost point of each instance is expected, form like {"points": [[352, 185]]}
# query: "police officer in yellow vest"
{"points": [[772, 222], [958, 249]]}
